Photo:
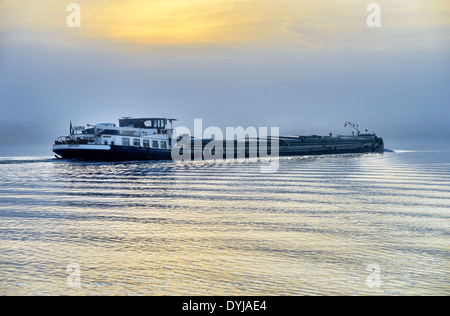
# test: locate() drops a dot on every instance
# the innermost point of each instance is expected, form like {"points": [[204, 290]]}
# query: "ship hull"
{"points": [[287, 146], [109, 153]]}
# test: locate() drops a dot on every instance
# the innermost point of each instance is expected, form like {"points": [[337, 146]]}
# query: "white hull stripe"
{"points": [[81, 146]]}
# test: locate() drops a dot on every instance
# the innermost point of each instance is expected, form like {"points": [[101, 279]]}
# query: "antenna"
{"points": [[353, 125]]}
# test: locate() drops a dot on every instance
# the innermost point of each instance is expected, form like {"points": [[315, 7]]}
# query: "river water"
{"points": [[358, 224]]}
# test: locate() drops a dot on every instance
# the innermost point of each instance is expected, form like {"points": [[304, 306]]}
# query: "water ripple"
{"points": [[224, 228]]}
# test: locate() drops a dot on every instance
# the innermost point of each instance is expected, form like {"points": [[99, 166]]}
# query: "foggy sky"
{"points": [[46, 81]]}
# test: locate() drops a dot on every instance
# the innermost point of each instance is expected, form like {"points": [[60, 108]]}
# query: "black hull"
{"points": [[287, 147], [116, 153]]}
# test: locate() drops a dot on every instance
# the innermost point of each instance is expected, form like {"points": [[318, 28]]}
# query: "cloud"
{"points": [[308, 25]]}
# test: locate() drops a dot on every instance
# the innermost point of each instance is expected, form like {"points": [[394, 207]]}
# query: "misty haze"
{"points": [[112, 210]]}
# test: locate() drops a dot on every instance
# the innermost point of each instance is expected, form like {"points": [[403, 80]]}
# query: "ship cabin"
{"points": [[136, 132]]}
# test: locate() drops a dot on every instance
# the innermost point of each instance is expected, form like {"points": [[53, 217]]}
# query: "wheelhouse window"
{"points": [[164, 145], [125, 141], [137, 142], [155, 144], [146, 143]]}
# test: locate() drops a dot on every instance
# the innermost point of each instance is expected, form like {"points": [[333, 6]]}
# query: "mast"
{"points": [[353, 125]]}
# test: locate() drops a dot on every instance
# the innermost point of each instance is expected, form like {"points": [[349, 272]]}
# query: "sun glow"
{"points": [[309, 24], [175, 22]]}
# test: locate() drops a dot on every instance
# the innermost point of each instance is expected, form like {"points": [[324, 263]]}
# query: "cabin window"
{"points": [[146, 143], [164, 145], [137, 142], [155, 144], [125, 141]]}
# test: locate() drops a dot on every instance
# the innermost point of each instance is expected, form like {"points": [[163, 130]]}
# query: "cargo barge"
{"points": [[154, 139]]}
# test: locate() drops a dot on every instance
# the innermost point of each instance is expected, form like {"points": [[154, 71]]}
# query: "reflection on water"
{"points": [[220, 228]]}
